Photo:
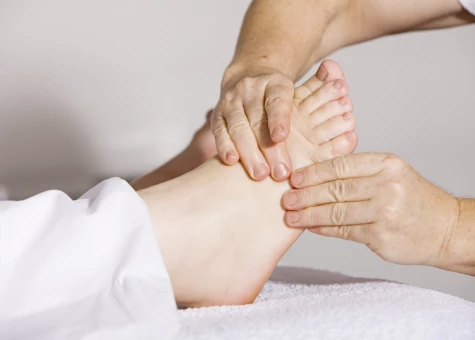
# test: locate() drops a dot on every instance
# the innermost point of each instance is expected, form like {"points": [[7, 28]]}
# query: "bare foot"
{"points": [[222, 234], [201, 148]]}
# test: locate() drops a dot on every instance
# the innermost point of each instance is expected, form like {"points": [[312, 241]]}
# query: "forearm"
{"points": [[459, 253], [292, 36], [282, 35]]}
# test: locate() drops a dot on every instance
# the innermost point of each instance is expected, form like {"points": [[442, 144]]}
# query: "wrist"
{"points": [[458, 250], [239, 69]]}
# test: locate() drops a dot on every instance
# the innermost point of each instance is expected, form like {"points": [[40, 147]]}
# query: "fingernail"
{"points": [[280, 171], [297, 178], [260, 171], [338, 85], [293, 216], [342, 102], [347, 116], [277, 131], [230, 156], [322, 73], [290, 199]]}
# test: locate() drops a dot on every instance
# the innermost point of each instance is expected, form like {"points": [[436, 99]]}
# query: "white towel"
{"points": [[300, 303]]}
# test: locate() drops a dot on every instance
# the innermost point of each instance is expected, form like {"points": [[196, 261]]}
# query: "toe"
{"points": [[329, 70], [340, 146], [331, 91], [306, 89], [333, 128], [330, 110]]}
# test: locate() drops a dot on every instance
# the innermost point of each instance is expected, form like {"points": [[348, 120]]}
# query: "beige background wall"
{"points": [[97, 88]]}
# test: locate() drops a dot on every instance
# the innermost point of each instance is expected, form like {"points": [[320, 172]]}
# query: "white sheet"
{"points": [[310, 304], [86, 269]]}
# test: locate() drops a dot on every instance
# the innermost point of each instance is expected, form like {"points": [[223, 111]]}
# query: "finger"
{"points": [[329, 92], [351, 166], [341, 190], [278, 103], [340, 146], [333, 128], [357, 233], [334, 214], [275, 154], [330, 110], [224, 145], [243, 137]]}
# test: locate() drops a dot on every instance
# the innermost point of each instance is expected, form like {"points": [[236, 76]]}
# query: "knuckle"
{"points": [[273, 101], [388, 212], [340, 167], [258, 123], [343, 232], [337, 214], [337, 190], [395, 189], [238, 126], [394, 163], [229, 96], [248, 82]]}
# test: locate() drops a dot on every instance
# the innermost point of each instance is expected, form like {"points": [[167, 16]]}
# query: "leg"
{"points": [[222, 234]]}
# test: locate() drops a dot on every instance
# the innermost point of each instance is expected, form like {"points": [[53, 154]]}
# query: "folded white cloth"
{"points": [[325, 305], [88, 269]]}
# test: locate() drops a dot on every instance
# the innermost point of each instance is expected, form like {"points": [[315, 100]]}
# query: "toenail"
{"points": [[280, 171], [290, 199], [277, 131], [230, 156], [297, 178], [322, 73], [338, 84], [293, 216], [260, 170]]}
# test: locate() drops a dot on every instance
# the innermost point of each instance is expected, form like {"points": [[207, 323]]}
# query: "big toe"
{"points": [[328, 71]]}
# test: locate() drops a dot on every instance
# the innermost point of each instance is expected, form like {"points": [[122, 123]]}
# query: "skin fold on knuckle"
{"points": [[337, 214], [337, 191], [343, 232], [238, 127], [340, 167]]}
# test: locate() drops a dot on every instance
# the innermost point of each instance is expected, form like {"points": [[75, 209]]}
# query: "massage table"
{"points": [[300, 303]]}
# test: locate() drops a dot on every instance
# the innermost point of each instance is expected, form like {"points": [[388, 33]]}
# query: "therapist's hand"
{"points": [[378, 200], [252, 115]]}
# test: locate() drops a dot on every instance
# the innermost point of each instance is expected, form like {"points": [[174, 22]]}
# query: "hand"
{"points": [[378, 200], [252, 115]]}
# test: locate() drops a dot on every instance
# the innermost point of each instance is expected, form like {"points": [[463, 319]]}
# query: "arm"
{"points": [[279, 42], [292, 36]]}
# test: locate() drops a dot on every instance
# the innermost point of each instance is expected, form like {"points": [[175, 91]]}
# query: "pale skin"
{"points": [[278, 43], [221, 234]]}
